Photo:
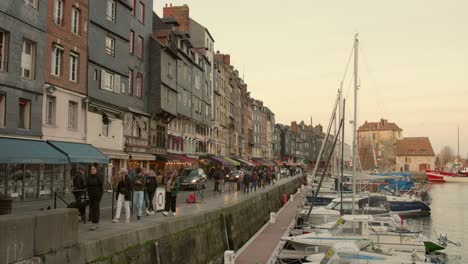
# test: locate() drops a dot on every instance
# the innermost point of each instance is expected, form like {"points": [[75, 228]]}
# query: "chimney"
{"points": [[180, 13], [227, 59], [244, 88], [294, 127]]}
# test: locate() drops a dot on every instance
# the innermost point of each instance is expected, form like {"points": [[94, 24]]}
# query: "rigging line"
{"points": [[379, 98], [347, 65]]}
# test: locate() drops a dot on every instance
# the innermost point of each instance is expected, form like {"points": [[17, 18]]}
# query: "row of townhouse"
{"points": [[114, 77]]}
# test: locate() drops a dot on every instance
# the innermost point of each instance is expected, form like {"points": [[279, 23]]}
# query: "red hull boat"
{"points": [[438, 176]]}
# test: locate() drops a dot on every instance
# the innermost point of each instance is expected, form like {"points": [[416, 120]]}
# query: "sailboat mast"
{"points": [[356, 48], [458, 143]]}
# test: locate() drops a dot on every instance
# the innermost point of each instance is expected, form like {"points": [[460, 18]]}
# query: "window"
{"points": [[141, 45], [106, 126], [28, 57], [58, 12], [2, 110], [3, 50], [31, 3], [50, 110], [139, 85], [130, 81], [57, 54], [75, 21], [110, 46], [132, 41], [72, 114], [24, 116], [133, 3], [141, 13], [107, 80], [110, 11], [74, 59]]}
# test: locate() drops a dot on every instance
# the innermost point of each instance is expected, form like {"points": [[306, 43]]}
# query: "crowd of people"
{"points": [[135, 189]]}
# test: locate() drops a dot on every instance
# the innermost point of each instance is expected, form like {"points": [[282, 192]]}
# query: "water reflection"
{"points": [[449, 215]]}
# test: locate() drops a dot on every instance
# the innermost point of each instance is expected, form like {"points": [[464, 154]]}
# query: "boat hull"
{"points": [[456, 179]]}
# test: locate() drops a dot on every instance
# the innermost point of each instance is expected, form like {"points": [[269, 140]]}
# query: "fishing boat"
{"points": [[385, 232], [362, 251], [455, 175]]}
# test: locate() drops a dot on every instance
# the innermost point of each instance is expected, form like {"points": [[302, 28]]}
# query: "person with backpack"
{"points": [[79, 191], [124, 192], [151, 186]]}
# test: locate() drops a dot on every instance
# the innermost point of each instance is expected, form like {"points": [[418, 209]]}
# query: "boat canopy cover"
{"points": [[25, 151], [80, 153]]}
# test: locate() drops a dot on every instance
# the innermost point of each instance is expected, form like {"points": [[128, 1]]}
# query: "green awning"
{"points": [[26, 151], [80, 153], [234, 162]]}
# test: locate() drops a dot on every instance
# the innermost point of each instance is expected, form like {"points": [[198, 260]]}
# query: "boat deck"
{"points": [[265, 243]]}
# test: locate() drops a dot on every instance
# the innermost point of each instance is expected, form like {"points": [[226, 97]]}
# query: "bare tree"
{"points": [[446, 154]]}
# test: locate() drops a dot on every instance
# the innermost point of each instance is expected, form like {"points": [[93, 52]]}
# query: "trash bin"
{"points": [[5, 204]]}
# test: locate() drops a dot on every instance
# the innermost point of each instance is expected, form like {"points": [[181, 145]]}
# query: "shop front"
{"points": [[140, 160], [31, 169]]}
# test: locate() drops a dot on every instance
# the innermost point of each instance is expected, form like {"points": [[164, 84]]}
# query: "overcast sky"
{"points": [[413, 58]]}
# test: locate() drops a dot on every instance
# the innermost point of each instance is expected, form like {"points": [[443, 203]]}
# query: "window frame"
{"points": [[139, 86], [32, 69], [131, 87], [109, 81], [141, 12], [50, 111], [141, 44], [58, 12], [73, 74], [132, 41], [133, 3], [4, 50], [27, 114], [2, 110], [113, 6], [72, 124], [110, 50], [75, 21], [57, 60], [31, 3]]}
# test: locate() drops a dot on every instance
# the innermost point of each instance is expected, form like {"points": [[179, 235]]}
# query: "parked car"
{"points": [[192, 179], [233, 175]]}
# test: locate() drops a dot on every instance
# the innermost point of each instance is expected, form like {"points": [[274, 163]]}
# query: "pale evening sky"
{"points": [[413, 63]]}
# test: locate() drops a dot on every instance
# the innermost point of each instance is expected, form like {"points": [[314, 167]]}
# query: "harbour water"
{"points": [[449, 215]]}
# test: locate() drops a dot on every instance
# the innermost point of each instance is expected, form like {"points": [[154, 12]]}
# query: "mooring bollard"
{"points": [[229, 257], [272, 218], [291, 197]]}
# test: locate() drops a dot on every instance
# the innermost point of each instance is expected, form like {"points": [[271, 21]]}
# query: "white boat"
{"points": [[362, 252], [382, 231], [453, 179]]}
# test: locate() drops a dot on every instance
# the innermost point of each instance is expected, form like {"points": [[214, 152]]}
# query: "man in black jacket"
{"points": [[95, 191]]}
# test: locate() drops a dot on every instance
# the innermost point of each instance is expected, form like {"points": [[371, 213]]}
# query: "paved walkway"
{"points": [[107, 228], [260, 249]]}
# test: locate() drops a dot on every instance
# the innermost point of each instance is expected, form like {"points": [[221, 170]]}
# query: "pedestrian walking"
{"points": [[255, 179], [79, 192], [95, 190], [138, 191], [221, 177], [151, 186], [172, 188], [124, 193], [240, 180], [246, 181]]}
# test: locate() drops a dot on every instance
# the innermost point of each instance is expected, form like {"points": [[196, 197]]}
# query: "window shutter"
{"points": [[117, 83], [103, 79]]}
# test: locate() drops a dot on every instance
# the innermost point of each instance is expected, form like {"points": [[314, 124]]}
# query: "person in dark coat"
{"points": [[247, 179], [79, 185], [255, 179], [124, 192], [95, 192], [151, 186]]}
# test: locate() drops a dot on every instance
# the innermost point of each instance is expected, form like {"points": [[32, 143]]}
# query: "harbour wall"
{"points": [[197, 238]]}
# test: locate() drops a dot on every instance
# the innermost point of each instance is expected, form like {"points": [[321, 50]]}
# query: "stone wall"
{"points": [[42, 234], [200, 238], [52, 236]]}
